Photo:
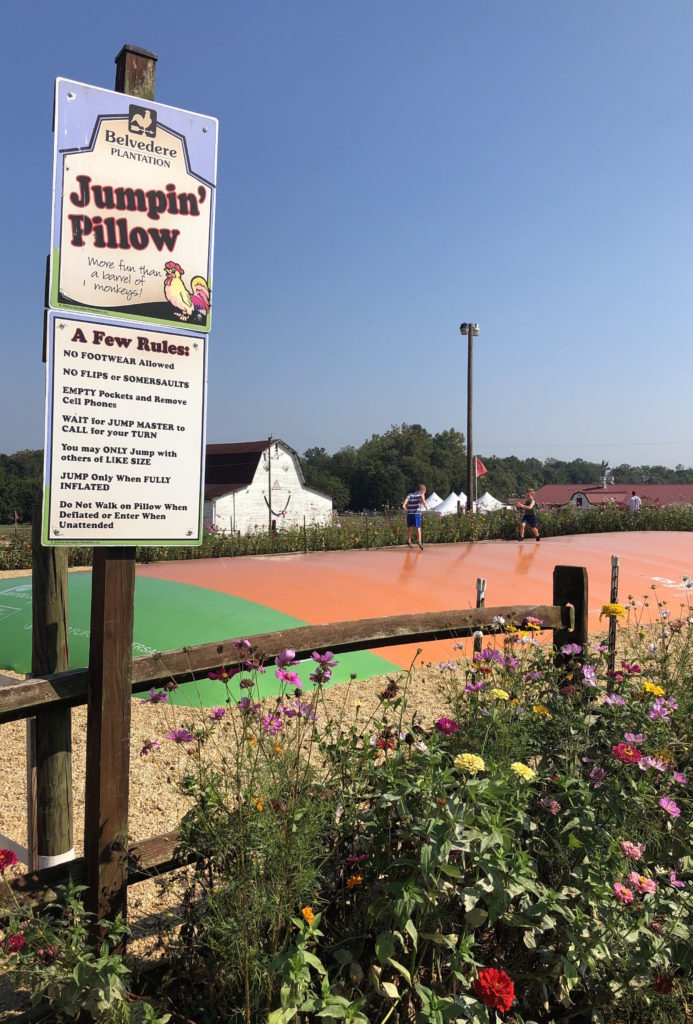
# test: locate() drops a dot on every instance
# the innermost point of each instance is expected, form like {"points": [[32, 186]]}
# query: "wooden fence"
{"points": [[107, 876]]}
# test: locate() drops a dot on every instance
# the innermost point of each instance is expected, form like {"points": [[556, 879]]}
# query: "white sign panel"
{"points": [[133, 208], [124, 452]]}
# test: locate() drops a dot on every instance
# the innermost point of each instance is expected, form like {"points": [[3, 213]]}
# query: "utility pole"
{"points": [[472, 331], [269, 485]]}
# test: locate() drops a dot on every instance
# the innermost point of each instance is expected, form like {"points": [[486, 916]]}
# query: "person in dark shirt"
{"points": [[529, 517], [414, 502]]}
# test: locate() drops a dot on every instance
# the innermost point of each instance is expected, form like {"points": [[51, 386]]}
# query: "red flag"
{"points": [[480, 467]]}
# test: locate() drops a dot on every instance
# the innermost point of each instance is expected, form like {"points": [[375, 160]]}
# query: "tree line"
{"points": [[380, 472]]}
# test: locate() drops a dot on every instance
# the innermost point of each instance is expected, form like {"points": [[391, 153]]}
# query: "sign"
{"points": [[125, 435], [134, 187]]}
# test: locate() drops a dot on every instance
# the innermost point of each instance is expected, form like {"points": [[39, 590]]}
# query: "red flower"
{"points": [[495, 989], [7, 859], [627, 753], [15, 943], [662, 984]]}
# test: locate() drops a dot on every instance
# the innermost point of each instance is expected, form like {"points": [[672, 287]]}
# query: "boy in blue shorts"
{"points": [[530, 515], [413, 503]]}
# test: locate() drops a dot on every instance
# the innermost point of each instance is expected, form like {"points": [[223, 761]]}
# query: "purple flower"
{"points": [[149, 745], [634, 737], [473, 687], [216, 714], [615, 698], [571, 649], [589, 676], [179, 736], [675, 881], [488, 654], [321, 675], [659, 710], [326, 659], [670, 806], [552, 806], [286, 657], [600, 647], [272, 724], [242, 645], [450, 665], [448, 726], [532, 677], [299, 708], [511, 662], [651, 762], [680, 778], [154, 698], [292, 678], [597, 776], [632, 670]]}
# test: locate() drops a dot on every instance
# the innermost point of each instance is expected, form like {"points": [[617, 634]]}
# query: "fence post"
{"points": [[305, 537], [570, 587], [49, 734], [110, 660], [612, 619], [480, 602], [366, 518]]}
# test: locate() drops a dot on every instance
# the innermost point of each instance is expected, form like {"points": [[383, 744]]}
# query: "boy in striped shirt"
{"points": [[413, 503]]}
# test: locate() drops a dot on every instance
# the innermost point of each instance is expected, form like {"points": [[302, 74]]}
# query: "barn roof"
{"points": [[651, 494], [231, 467]]}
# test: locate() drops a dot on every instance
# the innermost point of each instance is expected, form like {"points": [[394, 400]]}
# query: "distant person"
{"points": [[413, 504], [634, 502], [529, 517]]}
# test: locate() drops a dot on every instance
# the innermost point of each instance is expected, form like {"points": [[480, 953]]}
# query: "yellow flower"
{"points": [[541, 709], [470, 763], [499, 694], [308, 915], [523, 770], [252, 739], [257, 800], [354, 880], [652, 688], [612, 611], [277, 748]]}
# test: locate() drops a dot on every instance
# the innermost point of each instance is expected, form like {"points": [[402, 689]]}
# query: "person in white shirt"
{"points": [[634, 502]]}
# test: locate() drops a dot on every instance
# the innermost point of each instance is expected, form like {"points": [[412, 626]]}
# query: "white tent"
{"points": [[433, 501], [487, 503], [449, 506]]}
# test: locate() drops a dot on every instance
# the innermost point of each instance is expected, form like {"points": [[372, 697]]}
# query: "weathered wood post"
{"points": [[110, 661], [570, 587], [613, 597], [49, 734], [480, 602]]}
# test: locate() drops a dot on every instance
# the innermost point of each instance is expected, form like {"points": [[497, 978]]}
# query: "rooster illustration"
{"points": [[189, 305]]}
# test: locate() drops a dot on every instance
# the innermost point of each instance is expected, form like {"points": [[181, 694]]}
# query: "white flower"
{"points": [[477, 634], [421, 746], [498, 620]]}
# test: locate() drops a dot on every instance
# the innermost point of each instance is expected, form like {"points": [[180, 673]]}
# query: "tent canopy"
{"points": [[433, 500], [449, 506], [487, 503]]}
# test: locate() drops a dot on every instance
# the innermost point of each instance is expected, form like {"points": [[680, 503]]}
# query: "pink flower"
{"points": [[675, 881], [216, 714], [623, 893], [242, 645], [636, 738], [552, 806], [291, 678], [272, 724], [632, 850], [326, 659], [286, 657], [448, 726], [670, 806], [680, 778], [179, 736], [8, 858], [627, 753], [641, 883], [15, 943], [154, 698], [149, 745]]}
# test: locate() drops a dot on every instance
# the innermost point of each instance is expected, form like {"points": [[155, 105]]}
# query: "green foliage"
{"points": [[62, 967]]}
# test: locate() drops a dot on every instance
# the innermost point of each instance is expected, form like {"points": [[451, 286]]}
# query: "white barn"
{"points": [[239, 479]]}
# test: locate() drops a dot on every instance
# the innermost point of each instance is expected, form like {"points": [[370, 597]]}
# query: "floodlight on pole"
{"points": [[472, 331]]}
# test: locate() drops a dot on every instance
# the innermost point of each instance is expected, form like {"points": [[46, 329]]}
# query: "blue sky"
{"points": [[387, 169]]}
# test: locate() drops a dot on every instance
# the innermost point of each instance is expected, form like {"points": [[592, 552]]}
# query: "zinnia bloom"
{"points": [[308, 915], [354, 880], [653, 688], [623, 893], [470, 763], [541, 709], [8, 858], [632, 850], [523, 770], [448, 726], [641, 883], [495, 989], [15, 943], [499, 694], [626, 753], [612, 611]]}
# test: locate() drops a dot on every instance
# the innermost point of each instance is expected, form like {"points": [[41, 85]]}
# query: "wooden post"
{"points": [[110, 661], [366, 518], [570, 587], [612, 619], [480, 602], [305, 537], [49, 735]]}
